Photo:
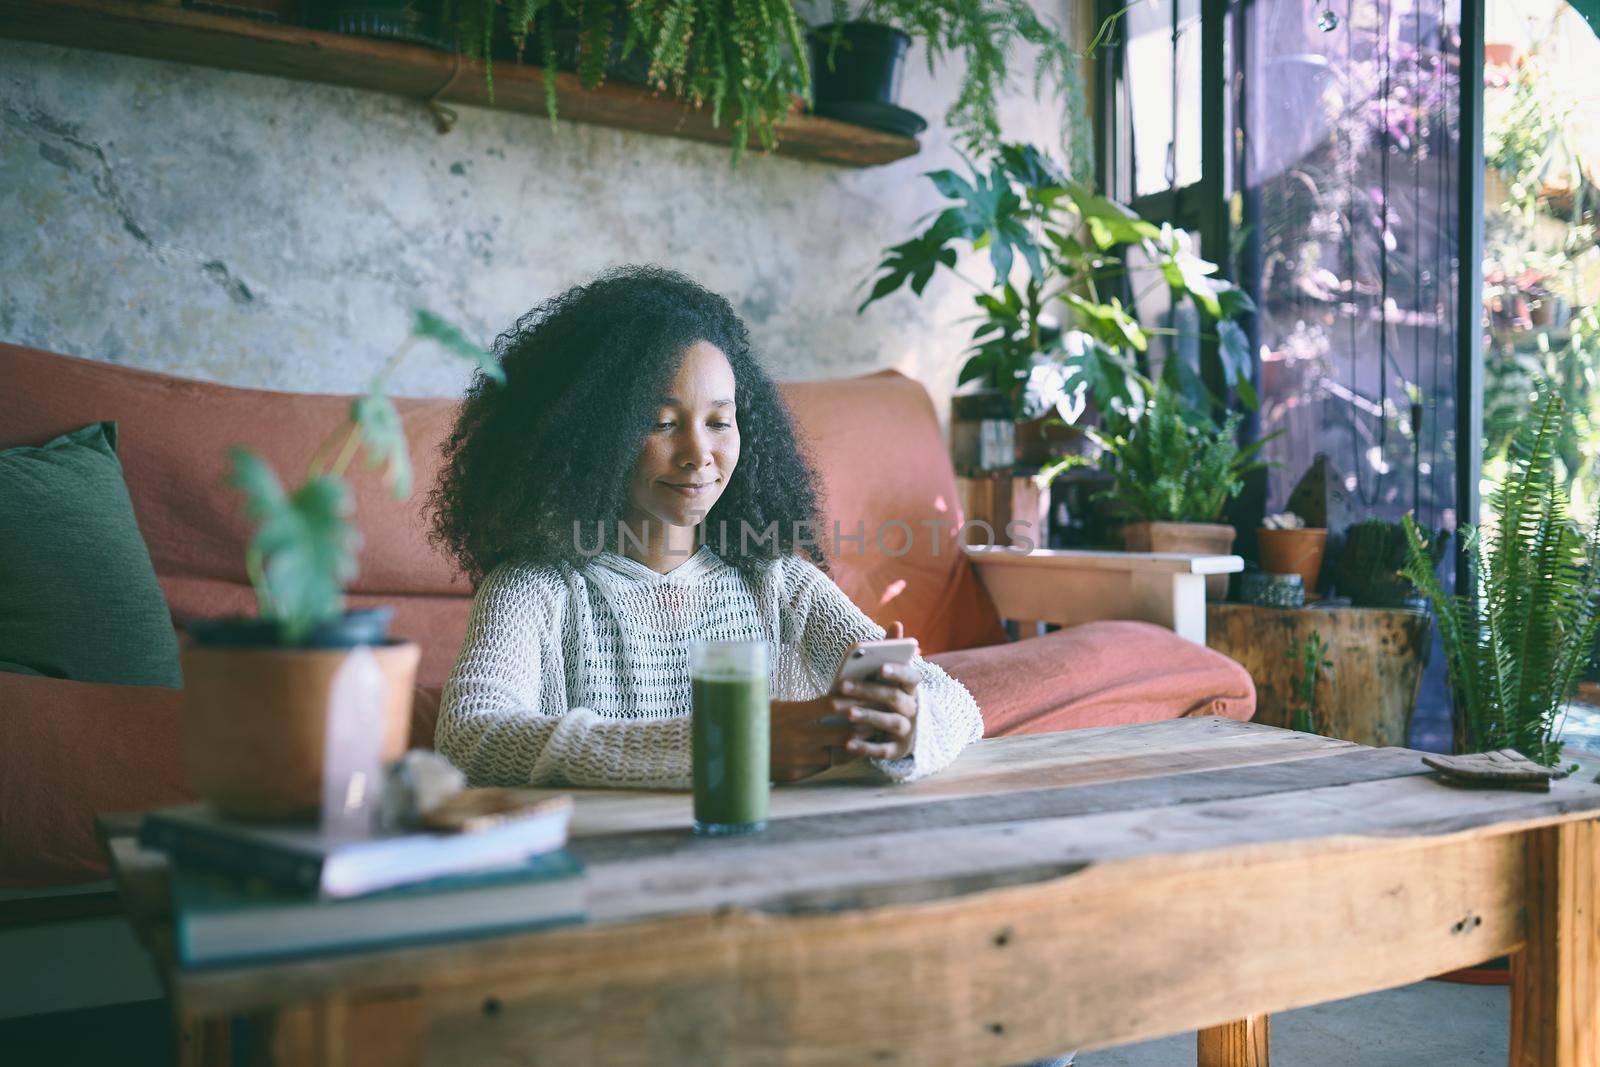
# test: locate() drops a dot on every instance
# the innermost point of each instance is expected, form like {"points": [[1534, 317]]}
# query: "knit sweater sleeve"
{"points": [[825, 622], [496, 719]]}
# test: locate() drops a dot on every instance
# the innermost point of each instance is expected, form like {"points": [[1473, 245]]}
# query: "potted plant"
{"points": [[1052, 341], [753, 61], [1516, 642], [1287, 545], [1174, 470], [1371, 567], [256, 690]]}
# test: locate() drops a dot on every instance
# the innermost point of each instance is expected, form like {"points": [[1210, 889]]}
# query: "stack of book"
{"points": [[249, 891]]}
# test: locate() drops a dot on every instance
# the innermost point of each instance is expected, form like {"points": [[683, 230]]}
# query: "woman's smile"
{"points": [[694, 490]]}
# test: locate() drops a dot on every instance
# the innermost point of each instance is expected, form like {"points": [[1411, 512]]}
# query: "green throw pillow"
{"points": [[78, 593]]}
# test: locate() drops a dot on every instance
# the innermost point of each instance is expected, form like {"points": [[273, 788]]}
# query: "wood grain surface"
{"points": [[1059, 891]]}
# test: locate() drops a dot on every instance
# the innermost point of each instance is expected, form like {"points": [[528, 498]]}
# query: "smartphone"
{"points": [[864, 658], [862, 661]]}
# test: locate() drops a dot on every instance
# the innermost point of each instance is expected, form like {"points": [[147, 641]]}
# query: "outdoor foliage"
{"points": [[1312, 659], [748, 58], [1018, 206], [303, 552], [1171, 464], [1515, 647]]}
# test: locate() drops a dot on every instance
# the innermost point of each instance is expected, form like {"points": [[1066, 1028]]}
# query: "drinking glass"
{"points": [[732, 756]]}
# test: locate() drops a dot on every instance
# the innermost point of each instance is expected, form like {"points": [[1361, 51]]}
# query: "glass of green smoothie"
{"points": [[731, 748]]}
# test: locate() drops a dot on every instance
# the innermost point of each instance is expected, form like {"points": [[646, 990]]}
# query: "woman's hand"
{"points": [[803, 743], [884, 711]]}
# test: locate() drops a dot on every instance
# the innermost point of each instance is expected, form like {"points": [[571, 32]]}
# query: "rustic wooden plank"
{"points": [[158, 31], [1241, 1043], [1016, 975], [1034, 761], [1231, 783], [1555, 983], [1309, 828]]}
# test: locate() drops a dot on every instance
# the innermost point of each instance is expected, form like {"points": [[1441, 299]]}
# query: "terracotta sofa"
{"points": [[71, 749]]}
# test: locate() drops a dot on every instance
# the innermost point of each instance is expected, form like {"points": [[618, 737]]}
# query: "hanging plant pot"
{"points": [[863, 87], [867, 66]]}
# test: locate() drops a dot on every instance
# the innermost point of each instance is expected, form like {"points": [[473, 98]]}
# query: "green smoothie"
{"points": [[731, 752]]}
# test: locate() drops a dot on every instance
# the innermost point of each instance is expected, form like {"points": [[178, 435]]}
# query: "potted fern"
{"points": [[1173, 471], [1517, 641], [750, 62], [256, 690]]}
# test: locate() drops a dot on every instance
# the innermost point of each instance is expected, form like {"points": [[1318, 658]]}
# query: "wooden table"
{"points": [[1045, 893]]}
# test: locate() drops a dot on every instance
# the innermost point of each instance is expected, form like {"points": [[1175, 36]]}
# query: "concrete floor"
{"points": [[1422, 1025]]}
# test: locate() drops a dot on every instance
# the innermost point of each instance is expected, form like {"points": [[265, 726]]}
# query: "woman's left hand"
{"points": [[884, 712]]}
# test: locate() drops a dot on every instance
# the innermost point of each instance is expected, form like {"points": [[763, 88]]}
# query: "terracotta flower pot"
{"points": [[255, 720], [1294, 552], [1196, 538]]}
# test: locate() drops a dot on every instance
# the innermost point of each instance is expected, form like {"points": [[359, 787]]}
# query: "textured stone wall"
{"points": [[273, 233]]}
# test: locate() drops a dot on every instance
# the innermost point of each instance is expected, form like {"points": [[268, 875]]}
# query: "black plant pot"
{"points": [[867, 66], [395, 20], [360, 626]]}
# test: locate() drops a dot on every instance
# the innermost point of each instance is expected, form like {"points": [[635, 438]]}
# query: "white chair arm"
{"points": [[1072, 586]]}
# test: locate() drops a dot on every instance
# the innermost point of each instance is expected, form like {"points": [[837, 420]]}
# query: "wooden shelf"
{"points": [[161, 31]]}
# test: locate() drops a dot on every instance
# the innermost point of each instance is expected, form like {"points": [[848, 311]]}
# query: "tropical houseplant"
{"points": [[1053, 336], [257, 690], [1174, 470], [1517, 640]]}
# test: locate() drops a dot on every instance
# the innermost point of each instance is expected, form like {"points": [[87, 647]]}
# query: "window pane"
{"points": [[1163, 159]]}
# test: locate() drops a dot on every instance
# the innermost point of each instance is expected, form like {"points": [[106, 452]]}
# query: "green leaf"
{"points": [[1109, 222], [1231, 300], [383, 436], [425, 324], [1233, 350], [1110, 322], [305, 541]]}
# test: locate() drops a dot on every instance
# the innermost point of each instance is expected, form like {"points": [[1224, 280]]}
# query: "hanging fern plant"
{"points": [[1516, 645], [747, 59]]}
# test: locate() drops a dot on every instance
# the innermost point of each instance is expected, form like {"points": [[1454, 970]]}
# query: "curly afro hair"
{"points": [[556, 444]]}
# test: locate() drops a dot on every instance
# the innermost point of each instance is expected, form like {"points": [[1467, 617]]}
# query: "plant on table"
{"points": [[303, 551], [1517, 641], [264, 699]]}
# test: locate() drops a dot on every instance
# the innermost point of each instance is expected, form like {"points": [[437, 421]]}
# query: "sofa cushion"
{"points": [[78, 596], [71, 750], [1099, 674]]}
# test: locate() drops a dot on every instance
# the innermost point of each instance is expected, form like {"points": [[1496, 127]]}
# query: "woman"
{"points": [[634, 486]]}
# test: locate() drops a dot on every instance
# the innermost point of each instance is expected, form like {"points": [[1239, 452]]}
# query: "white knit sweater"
{"points": [[581, 675]]}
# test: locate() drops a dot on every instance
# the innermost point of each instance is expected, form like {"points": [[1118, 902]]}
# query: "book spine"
{"points": [[199, 848]]}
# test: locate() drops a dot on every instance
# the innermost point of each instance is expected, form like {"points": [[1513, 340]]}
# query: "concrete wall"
{"points": [[273, 233]]}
